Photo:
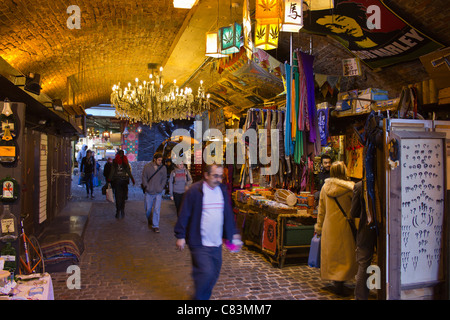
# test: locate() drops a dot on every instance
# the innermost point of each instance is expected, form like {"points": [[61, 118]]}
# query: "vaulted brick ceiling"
{"points": [[116, 42], [118, 39]]}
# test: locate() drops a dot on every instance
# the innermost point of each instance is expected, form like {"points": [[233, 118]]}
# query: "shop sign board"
{"points": [[371, 31]]}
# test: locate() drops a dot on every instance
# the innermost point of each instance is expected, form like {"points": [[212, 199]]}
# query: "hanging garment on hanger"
{"points": [[307, 63], [261, 120], [273, 126], [294, 105], [280, 134], [267, 130], [322, 117], [287, 120], [302, 95]]}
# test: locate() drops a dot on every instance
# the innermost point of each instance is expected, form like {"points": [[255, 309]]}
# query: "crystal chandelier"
{"points": [[147, 102]]}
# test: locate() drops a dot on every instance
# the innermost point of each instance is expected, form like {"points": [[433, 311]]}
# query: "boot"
{"points": [[122, 213], [117, 213]]}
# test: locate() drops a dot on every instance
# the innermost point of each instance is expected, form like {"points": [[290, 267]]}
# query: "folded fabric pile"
{"points": [[61, 250]]}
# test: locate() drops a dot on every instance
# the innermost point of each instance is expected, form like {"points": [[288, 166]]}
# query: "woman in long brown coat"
{"points": [[337, 257]]}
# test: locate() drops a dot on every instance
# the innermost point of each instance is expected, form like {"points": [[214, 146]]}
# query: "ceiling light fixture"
{"points": [[213, 41], [147, 102], [230, 37], [268, 20], [292, 16], [184, 4]]}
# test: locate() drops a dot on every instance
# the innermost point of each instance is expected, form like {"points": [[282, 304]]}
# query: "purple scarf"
{"points": [[307, 64]]}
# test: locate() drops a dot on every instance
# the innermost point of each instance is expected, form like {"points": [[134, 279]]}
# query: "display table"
{"points": [[39, 288], [271, 232]]}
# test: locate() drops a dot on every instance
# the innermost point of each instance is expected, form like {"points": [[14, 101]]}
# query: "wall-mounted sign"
{"points": [[371, 31], [351, 67]]}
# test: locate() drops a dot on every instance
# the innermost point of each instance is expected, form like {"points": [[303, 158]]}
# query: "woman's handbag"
{"points": [[109, 194], [314, 252], [104, 189]]}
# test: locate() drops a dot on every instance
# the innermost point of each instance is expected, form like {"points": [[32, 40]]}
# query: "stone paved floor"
{"points": [[124, 260]]}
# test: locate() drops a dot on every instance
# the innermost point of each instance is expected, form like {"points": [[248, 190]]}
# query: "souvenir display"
{"points": [[8, 150], [10, 190], [8, 223], [422, 205]]}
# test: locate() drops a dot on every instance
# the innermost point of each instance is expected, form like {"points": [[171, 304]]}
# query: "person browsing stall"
{"points": [[337, 255]]}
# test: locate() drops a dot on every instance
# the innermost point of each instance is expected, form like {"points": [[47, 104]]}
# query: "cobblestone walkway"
{"points": [[125, 260]]}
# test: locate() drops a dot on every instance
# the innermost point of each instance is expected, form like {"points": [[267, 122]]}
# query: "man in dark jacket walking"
{"points": [[206, 218], [365, 242]]}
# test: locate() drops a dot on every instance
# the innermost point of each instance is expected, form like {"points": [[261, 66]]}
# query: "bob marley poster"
{"points": [[371, 31]]}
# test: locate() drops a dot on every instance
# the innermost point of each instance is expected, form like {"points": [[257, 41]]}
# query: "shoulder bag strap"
{"points": [[339, 205], [350, 222], [160, 167]]}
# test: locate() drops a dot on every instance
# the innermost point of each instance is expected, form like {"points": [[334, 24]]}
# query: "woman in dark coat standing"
{"points": [[120, 176]]}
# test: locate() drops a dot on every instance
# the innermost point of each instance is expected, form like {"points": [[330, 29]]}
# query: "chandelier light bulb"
{"points": [[140, 102]]}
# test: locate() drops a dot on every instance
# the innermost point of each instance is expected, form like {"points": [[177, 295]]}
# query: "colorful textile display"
{"points": [[270, 235], [307, 66], [322, 121], [288, 143]]}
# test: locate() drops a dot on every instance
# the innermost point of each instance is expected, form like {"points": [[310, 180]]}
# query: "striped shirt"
{"points": [[211, 227]]}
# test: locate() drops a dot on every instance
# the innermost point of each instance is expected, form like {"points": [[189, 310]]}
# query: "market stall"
{"points": [[35, 286], [277, 222]]}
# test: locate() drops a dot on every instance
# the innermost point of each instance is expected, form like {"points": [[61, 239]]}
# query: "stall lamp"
{"points": [[292, 16], [268, 20], [230, 38], [266, 35], [213, 46], [184, 4]]}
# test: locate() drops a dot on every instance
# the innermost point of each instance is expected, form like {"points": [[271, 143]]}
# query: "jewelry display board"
{"points": [[416, 214], [422, 219]]}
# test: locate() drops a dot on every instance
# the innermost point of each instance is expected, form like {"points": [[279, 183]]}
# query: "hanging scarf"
{"points": [[307, 63], [287, 119], [302, 93], [121, 160]]}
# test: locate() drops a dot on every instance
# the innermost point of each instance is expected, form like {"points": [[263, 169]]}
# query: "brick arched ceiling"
{"points": [[118, 38], [116, 42]]}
